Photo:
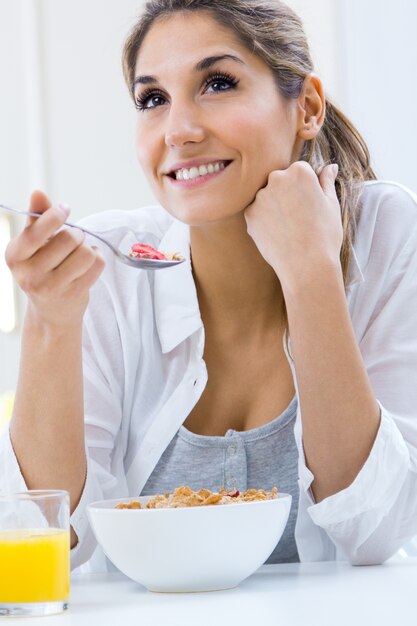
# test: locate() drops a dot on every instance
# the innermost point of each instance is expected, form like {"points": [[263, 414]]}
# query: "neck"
{"points": [[236, 287]]}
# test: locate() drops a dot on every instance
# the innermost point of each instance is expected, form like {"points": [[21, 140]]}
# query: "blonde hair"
{"points": [[271, 30]]}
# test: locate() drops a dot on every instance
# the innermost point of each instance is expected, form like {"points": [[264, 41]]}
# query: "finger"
{"points": [[327, 179], [76, 265], [38, 233], [39, 203], [86, 280], [56, 250]]}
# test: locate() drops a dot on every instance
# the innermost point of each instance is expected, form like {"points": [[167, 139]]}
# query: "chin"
{"points": [[201, 214]]}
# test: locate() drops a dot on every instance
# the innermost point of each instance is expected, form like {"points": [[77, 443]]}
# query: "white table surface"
{"points": [[308, 594]]}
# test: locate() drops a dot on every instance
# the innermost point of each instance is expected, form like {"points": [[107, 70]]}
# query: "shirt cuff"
{"points": [[11, 478], [87, 543], [375, 488]]}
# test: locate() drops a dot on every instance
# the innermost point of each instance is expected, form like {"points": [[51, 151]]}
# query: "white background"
{"points": [[67, 123]]}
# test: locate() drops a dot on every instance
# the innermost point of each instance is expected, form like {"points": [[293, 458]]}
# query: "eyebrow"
{"points": [[201, 66]]}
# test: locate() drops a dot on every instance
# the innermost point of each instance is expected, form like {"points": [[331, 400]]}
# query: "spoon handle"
{"points": [[126, 259], [85, 230]]}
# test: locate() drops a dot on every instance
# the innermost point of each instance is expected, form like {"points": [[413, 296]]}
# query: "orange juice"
{"points": [[34, 565]]}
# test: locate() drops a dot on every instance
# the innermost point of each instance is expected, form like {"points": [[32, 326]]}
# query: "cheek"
{"points": [[142, 152], [238, 128], [145, 149], [264, 139]]}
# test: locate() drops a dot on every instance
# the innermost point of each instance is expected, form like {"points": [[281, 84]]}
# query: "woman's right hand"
{"points": [[55, 268]]}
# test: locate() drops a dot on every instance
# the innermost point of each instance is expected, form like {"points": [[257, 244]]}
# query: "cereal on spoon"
{"points": [[145, 251]]}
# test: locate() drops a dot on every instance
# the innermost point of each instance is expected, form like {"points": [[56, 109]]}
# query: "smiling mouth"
{"points": [[199, 172]]}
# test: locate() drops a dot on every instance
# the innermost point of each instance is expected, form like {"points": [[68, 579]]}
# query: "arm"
{"points": [[340, 414], [295, 222], [103, 389], [367, 508], [47, 427], [377, 513], [56, 270]]}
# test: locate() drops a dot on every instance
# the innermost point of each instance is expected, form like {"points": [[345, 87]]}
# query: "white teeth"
{"points": [[203, 170], [194, 172]]}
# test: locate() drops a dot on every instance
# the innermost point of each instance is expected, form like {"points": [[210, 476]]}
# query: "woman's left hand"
{"points": [[295, 221]]}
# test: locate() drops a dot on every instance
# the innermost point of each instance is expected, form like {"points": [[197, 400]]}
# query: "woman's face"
{"points": [[211, 123]]}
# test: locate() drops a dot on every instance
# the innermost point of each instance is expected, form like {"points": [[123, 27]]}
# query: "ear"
{"points": [[311, 107]]}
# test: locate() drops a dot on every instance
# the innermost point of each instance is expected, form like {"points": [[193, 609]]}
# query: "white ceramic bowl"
{"points": [[202, 548]]}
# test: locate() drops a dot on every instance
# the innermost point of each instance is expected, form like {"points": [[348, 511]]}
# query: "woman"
{"points": [[197, 375]]}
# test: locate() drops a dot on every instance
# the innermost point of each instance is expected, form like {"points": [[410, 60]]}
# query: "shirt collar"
{"points": [[177, 313]]}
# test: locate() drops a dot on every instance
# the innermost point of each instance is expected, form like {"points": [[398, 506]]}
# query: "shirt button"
{"points": [[231, 449]]}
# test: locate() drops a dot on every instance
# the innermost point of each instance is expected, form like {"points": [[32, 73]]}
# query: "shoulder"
{"points": [[389, 198], [388, 204], [387, 220]]}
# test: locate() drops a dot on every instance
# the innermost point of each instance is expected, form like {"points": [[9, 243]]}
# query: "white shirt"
{"points": [[144, 372]]}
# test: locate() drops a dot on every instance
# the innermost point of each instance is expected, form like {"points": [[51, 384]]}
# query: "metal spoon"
{"points": [[143, 264]]}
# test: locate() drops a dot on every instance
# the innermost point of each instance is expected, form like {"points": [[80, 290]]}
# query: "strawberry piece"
{"points": [[144, 251], [235, 494]]}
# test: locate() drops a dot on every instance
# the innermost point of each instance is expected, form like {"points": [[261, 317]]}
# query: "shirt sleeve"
{"points": [[372, 518]]}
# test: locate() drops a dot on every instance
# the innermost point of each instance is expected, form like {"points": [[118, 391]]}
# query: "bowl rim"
{"points": [[109, 505]]}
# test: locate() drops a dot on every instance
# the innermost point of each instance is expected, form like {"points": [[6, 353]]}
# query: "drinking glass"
{"points": [[34, 553]]}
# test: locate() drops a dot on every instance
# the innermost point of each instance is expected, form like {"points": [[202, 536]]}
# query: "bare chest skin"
{"points": [[247, 387]]}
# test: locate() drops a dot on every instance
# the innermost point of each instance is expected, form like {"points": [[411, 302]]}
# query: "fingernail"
{"points": [[335, 169], [64, 208]]}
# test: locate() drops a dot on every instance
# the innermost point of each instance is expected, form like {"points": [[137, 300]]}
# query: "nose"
{"points": [[183, 126]]}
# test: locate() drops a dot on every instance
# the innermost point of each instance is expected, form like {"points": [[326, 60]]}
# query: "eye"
{"points": [[220, 81], [149, 99], [214, 83]]}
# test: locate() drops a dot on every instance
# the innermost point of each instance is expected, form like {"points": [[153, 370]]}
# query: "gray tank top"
{"points": [[254, 459]]}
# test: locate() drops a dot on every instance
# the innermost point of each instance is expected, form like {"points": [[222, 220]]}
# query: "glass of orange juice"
{"points": [[34, 553]]}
